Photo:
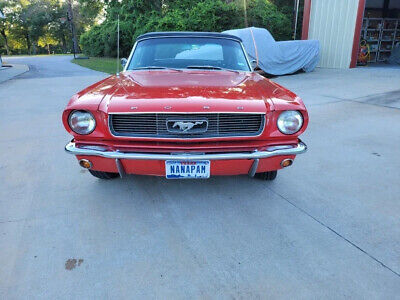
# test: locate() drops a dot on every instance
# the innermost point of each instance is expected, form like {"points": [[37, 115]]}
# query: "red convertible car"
{"points": [[187, 105]]}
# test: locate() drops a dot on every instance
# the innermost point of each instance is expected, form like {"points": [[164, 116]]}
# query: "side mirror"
{"points": [[123, 62], [254, 64]]}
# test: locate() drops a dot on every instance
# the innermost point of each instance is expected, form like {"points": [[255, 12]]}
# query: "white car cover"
{"points": [[278, 58]]}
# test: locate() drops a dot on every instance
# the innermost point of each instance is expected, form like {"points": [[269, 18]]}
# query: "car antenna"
{"points": [[118, 47]]}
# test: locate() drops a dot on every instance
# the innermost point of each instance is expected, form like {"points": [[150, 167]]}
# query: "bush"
{"points": [[91, 42], [138, 17], [214, 15], [102, 40], [262, 13]]}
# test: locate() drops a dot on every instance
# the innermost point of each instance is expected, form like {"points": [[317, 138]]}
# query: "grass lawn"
{"points": [[102, 64]]}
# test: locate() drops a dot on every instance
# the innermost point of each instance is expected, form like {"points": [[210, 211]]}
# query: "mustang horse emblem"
{"points": [[186, 126]]}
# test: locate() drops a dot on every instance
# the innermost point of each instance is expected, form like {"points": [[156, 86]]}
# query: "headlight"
{"points": [[290, 122], [81, 122]]}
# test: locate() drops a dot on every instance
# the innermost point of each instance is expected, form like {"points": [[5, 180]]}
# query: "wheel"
{"points": [[271, 175], [103, 175]]}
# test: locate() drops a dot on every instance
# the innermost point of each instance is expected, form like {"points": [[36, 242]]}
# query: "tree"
{"points": [[70, 15], [38, 15], [58, 28], [263, 13], [3, 34], [18, 28], [46, 40], [36, 25], [29, 21], [5, 23]]}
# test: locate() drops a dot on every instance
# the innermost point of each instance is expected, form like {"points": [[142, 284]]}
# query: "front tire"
{"points": [[103, 175], [271, 175]]}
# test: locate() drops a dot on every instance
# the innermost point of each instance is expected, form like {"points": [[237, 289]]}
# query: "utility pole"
{"points": [[246, 24], [1, 61], [385, 8], [118, 62], [70, 17], [296, 16]]}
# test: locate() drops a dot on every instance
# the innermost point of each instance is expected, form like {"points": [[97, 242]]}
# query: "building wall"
{"points": [[333, 23]]}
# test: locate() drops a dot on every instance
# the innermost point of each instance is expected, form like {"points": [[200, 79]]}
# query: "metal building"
{"points": [[339, 25]]}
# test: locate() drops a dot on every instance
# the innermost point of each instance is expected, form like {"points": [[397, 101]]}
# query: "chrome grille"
{"points": [[156, 125]]}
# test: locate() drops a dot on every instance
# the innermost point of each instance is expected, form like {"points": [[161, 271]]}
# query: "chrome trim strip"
{"points": [[130, 57], [194, 36], [247, 58], [71, 148], [264, 123]]}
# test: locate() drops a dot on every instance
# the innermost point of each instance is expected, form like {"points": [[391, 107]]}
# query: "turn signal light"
{"points": [[84, 163], [286, 162]]}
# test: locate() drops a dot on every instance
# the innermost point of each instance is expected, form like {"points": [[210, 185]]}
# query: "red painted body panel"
{"points": [[188, 91]]}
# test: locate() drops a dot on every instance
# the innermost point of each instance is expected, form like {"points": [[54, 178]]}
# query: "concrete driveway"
{"points": [[328, 227]]}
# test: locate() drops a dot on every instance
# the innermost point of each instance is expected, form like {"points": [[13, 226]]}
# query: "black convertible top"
{"points": [[187, 34]]}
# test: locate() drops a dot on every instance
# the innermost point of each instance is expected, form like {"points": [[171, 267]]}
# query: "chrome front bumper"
{"points": [[269, 152]]}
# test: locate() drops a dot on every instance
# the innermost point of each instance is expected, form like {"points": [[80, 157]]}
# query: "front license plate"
{"points": [[175, 169]]}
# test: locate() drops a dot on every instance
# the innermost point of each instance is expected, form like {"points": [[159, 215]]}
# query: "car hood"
{"points": [[190, 91]]}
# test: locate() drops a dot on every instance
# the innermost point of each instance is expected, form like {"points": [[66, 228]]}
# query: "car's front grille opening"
{"points": [[169, 125], [140, 124]]}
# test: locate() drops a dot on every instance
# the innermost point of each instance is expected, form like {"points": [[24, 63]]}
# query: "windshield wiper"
{"points": [[156, 68], [211, 68]]}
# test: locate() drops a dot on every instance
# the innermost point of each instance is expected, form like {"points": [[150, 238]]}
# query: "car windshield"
{"points": [[189, 53]]}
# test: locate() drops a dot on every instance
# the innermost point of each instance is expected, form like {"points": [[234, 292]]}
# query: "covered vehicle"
{"points": [[278, 58], [180, 111]]}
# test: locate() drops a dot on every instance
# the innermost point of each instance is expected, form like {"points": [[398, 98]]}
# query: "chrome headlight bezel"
{"points": [[290, 122], [86, 116]]}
